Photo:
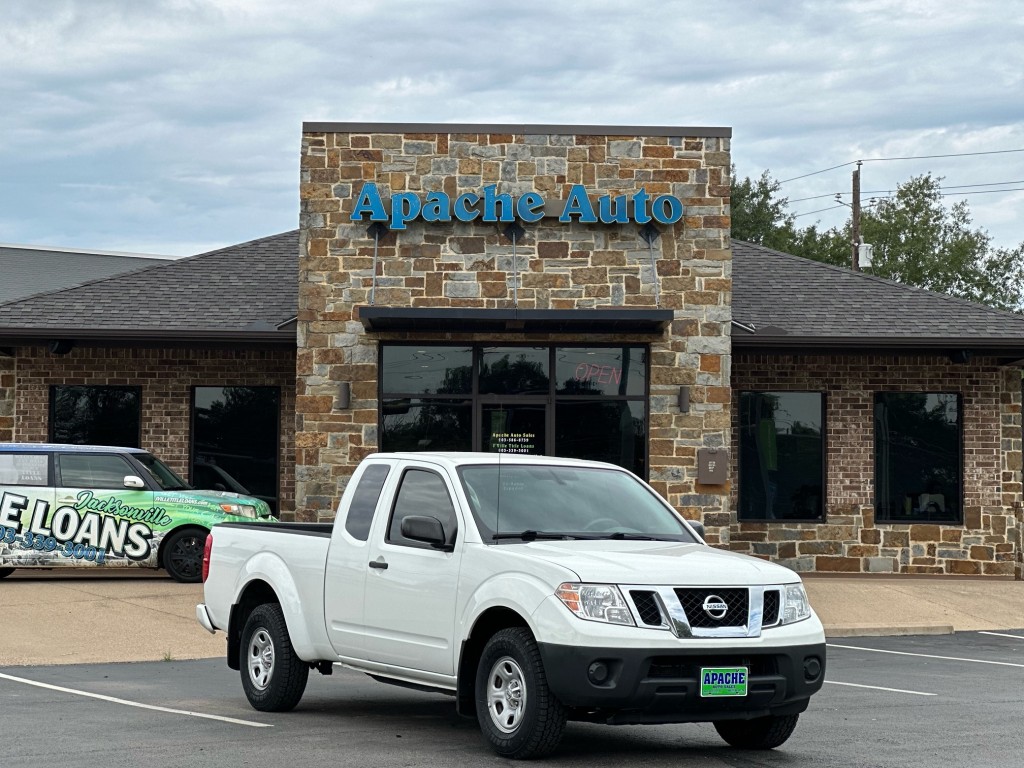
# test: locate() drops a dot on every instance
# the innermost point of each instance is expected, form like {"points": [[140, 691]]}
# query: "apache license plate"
{"points": [[723, 681]]}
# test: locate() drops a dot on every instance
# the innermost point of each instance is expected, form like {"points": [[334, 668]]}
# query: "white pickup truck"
{"points": [[533, 589]]}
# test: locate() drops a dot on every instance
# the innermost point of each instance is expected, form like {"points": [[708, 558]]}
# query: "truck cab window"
{"points": [[364, 501], [421, 493]]}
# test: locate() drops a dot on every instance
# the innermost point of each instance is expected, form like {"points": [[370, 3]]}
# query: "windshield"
{"points": [[539, 501], [161, 473]]}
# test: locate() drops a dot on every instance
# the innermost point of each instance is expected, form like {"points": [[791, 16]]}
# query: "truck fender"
{"points": [[266, 570], [507, 600]]}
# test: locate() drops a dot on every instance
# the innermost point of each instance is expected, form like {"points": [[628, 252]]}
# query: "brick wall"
{"points": [[166, 377], [562, 266], [850, 540], [7, 368]]}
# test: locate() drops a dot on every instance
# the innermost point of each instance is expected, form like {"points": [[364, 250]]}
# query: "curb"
{"points": [[868, 630]]}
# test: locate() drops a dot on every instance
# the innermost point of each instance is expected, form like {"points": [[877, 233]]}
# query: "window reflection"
{"points": [[87, 415], [426, 425], [426, 370], [917, 457], [781, 456]]}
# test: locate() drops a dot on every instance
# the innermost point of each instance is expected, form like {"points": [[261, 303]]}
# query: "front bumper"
{"points": [[663, 686]]}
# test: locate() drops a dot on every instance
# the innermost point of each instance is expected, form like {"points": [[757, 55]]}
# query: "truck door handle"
{"points": [[380, 562]]}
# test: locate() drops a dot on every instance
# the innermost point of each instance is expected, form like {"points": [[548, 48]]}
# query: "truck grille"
{"points": [[730, 611], [693, 601], [647, 607], [771, 607]]}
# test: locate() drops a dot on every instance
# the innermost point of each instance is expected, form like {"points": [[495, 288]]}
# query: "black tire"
{"points": [[518, 714], [760, 733], [273, 677], [182, 554], [5, 572]]}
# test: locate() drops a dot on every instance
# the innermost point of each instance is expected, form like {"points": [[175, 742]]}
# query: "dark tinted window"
{"points": [[421, 493], [602, 430], [918, 468], [24, 469], [93, 470], [601, 371], [235, 440], [781, 456], [364, 501], [426, 425], [426, 370], [95, 415], [514, 371]]}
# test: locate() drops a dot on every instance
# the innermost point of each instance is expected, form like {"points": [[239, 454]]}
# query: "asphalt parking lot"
{"points": [[950, 700]]}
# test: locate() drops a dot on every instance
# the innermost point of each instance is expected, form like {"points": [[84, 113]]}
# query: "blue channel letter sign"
{"points": [[436, 206]]}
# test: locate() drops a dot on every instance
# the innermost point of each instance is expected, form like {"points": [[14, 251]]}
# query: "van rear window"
{"points": [[24, 469]]}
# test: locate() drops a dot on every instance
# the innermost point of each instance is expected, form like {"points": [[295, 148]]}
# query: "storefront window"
{"points": [[426, 370], [426, 425], [918, 462], [578, 402], [235, 441], [782, 456], [85, 415]]}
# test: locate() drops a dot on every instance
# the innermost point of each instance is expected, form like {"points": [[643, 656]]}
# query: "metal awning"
{"points": [[472, 320]]}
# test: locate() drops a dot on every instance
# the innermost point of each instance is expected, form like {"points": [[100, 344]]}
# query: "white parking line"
{"points": [[1002, 634], [127, 703], [926, 655], [880, 688]]}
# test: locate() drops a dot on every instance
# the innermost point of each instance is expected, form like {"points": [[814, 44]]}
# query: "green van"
{"points": [[82, 505]]}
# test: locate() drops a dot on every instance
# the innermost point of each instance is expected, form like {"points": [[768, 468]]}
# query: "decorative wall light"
{"points": [[684, 399], [344, 395]]}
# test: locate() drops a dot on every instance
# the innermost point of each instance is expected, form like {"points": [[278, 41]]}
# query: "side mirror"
{"points": [[425, 529], [134, 482], [219, 487], [698, 527]]}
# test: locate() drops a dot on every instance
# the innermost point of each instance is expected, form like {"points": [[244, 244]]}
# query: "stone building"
{"points": [[560, 290]]}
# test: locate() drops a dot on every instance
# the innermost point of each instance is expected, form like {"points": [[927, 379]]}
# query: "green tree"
{"points": [[917, 240]]}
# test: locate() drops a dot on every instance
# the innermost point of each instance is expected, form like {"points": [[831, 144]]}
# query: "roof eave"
{"points": [[203, 335]]}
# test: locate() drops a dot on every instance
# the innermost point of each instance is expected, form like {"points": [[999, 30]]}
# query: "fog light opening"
{"points": [[812, 669], [598, 673]]}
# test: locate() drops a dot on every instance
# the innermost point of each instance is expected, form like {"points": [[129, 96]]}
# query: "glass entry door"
{"points": [[516, 427]]}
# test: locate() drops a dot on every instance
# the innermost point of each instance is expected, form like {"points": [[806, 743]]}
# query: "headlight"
{"points": [[595, 602], [795, 606], [240, 510]]}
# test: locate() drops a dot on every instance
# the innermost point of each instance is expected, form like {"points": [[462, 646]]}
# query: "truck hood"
{"points": [[655, 562]]}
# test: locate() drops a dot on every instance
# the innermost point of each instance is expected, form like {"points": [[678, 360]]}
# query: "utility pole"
{"points": [[855, 218]]}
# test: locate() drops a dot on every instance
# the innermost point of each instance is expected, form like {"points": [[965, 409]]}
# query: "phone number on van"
{"points": [[34, 541]]}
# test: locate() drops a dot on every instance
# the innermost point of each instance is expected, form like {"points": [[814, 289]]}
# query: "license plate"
{"points": [[723, 681]]}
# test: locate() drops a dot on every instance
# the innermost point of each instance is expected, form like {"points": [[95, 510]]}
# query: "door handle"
{"points": [[380, 562]]}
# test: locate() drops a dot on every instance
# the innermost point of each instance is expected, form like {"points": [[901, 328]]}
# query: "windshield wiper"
{"points": [[636, 536], [530, 535]]}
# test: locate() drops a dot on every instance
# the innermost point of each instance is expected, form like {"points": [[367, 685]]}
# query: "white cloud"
{"points": [[138, 125]]}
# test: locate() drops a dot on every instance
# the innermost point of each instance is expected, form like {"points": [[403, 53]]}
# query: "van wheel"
{"points": [[182, 553], [5, 572], [760, 733], [517, 712], [273, 677]]}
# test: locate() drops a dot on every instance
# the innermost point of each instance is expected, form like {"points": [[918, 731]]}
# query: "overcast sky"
{"points": [[174, 126]]}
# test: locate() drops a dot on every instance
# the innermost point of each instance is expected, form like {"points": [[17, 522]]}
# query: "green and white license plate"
{"points": [[723, 681]]}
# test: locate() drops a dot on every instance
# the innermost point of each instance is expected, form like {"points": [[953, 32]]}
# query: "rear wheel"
{"points": [[273, 677], [183, 554], [5, 572], [760, 733], [517, 712]]}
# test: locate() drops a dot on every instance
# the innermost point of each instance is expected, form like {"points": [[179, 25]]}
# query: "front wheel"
{"points": [[5, 572], [183, 555], [273, 677], [517, 712], [760, 733]]}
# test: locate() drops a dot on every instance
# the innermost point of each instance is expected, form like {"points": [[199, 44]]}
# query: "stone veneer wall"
{"points": [[562, 266], [7, 368], [166, 377], [850, 540]]}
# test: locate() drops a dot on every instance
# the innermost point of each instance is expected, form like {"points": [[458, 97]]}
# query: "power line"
{"points": [[889, 191], [908, 157]]}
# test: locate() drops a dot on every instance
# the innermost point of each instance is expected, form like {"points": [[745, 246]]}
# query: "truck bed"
{"points": [[322, 530]]}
